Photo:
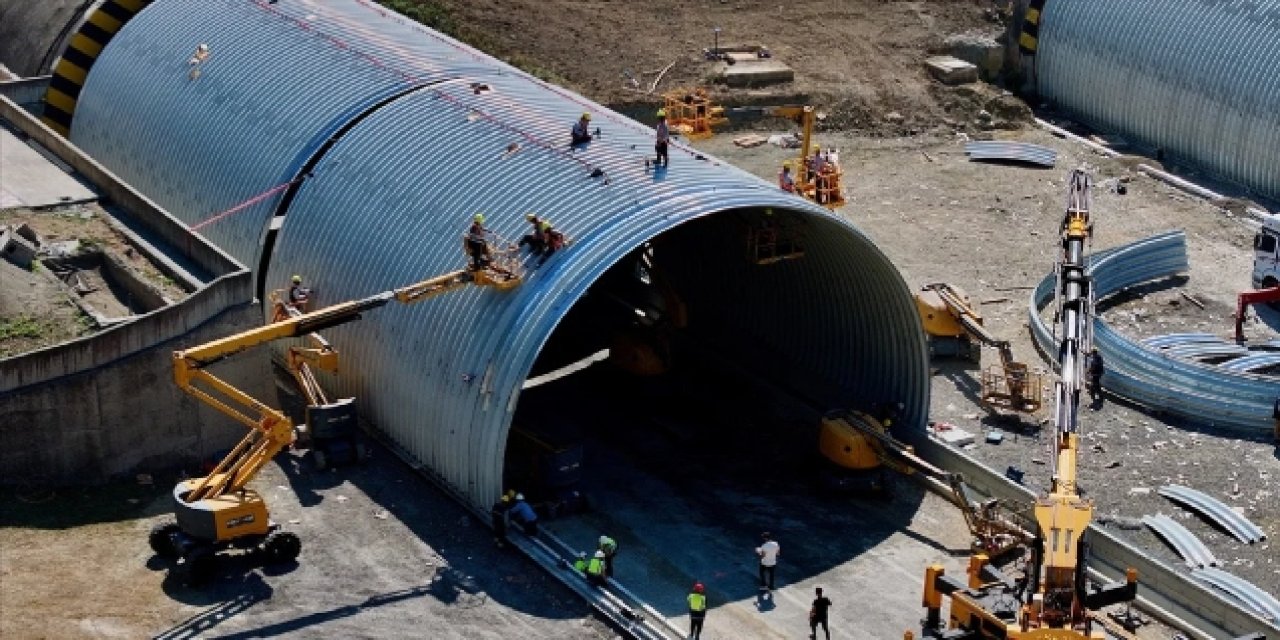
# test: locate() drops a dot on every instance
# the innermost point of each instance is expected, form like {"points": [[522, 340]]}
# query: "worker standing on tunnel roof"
{"points": [[697, 610], [581, 130], [662, 137], [552, 241]]}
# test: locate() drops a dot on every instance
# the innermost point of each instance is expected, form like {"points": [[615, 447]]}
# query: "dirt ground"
{"points": [[991, 229], [384, 555], [36, 312], [860, 60]]}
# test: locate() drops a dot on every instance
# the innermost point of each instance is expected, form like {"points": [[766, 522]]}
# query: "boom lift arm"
{"points": [[271, 430]]}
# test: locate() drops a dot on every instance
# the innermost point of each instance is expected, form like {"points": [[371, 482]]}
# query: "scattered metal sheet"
{"points": [[1252, 362], [1143, 374], [1172, 339], [1263, 603], [1183, 541], [1204, 350], [1212, 508], [1012, 152]]}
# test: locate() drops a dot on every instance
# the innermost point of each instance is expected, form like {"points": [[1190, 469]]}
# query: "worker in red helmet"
{"points": [[697, 610]]}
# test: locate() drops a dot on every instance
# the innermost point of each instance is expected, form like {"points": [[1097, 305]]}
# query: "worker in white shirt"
{"points": [[768, 552]]}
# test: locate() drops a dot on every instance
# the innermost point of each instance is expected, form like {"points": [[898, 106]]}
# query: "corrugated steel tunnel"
{"points": [[1193, 78], [345, 143]]}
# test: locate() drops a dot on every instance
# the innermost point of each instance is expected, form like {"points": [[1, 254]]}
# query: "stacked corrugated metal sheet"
{"points": [[1194, 78], [405, 134], [1146, 375]]}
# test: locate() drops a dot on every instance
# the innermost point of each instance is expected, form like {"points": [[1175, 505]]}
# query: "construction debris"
{"points": [[951, 70]]}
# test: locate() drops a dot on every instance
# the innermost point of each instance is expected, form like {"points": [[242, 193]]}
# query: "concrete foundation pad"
{"points": [[31, 180], [754, 73], [952, 70]]}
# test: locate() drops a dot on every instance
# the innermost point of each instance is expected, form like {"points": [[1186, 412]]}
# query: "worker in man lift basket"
{"points": [[478, 243], [662, 136], [298, 294]]}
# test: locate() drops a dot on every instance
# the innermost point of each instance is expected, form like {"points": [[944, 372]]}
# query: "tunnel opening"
{"points": [[680, 399]]}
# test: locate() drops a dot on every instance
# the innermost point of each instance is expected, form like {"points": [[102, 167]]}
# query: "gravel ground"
{"points": [[991, 229]]}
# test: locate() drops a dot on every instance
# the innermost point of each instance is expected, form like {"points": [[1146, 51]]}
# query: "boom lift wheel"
{"points": [[161, 539], [281, 547]]}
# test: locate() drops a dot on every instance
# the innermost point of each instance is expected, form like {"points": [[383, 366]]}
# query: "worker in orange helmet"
{"points": [[697, 610]]}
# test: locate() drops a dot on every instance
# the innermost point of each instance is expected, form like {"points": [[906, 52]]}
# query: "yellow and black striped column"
{"points": [[1030, 37], [82, 49]]}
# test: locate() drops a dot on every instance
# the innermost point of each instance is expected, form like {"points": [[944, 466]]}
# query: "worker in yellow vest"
{"points": [[697, 610], [595, 570]]}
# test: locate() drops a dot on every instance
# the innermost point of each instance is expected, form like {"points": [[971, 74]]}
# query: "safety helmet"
{"points": [[530, 216], [506, 498], [599, 554], [698, 588], [662, 113], [297, 279], [586, 116], [479, 217], [604, 539], [519, 496]]}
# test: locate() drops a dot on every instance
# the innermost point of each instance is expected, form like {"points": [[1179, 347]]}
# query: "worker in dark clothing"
{"points": [[609, 547], [298, 294], [498, 518], [524, 515], [581, 130], [595, 570], [697, 611], [535, 240], [478, 243], [1275, 416], [553, 241], [818, 615], [1094, 370], [662, 136]]}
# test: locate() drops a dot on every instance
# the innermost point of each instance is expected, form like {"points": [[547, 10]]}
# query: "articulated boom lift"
{"points": [[828, 190], [219, 511], [1053, 602]]}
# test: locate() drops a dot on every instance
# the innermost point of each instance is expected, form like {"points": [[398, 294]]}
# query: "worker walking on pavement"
{"points": [[697, 611], [498, 516], [768, 553], [595, 570], [581, 130], [1096, 367], [818, 615], [609, 547]]}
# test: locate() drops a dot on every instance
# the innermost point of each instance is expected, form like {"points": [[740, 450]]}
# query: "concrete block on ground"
{"points": [[954, 436], [982, 51], [16, 249], [755, 73], [952, 70]]}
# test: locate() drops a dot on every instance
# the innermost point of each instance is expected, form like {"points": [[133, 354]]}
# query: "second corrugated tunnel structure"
{"points": [[346, 143]]}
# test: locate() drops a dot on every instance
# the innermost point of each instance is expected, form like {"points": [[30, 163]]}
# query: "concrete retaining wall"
{"points": [[1171, 596], [126, 416], [32, 32]]}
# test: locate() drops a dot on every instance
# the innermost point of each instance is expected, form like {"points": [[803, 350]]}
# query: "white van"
{"points": [[1266, 254]]}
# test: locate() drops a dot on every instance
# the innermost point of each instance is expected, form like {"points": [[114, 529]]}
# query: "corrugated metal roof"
{"points": [[389, 200], [1195, 78]]}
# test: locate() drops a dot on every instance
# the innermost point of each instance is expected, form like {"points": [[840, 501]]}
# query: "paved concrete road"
{"points": [[31, 180]]}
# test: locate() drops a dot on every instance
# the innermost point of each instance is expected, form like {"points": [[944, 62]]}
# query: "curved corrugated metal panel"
{"points": [[1197, 79], [389, 198]]}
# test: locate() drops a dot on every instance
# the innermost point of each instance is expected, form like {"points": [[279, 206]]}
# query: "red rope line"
{"points": [[246, 204]]}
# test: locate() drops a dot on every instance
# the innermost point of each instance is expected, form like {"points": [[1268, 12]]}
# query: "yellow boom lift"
{"points": [[219, 511], [954, 327], [1053, 602], [826, 188]]}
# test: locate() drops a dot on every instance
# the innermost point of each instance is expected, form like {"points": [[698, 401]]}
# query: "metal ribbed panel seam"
{"points": [[1192, 78]]}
